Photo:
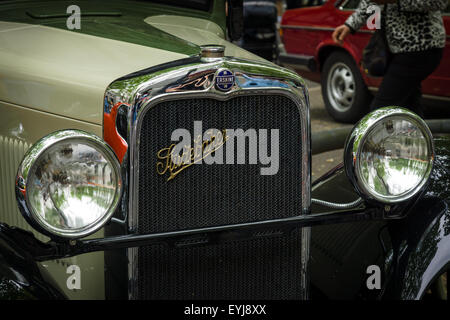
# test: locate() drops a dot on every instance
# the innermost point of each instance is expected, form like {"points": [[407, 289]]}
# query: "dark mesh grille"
{"points": [[209, 195], [267, 268]]}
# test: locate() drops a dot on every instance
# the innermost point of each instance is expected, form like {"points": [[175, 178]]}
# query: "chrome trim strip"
{"points": [[259, 3], [196, 80], [430, 96], [298, 61], [425, 96], [306, 239], [286, 26]]}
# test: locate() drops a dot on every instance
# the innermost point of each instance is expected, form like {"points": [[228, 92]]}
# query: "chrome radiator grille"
{"points": [[213, 195]]}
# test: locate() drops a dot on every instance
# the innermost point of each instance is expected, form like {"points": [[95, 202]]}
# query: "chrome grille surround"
{"points": [[195, 79]]}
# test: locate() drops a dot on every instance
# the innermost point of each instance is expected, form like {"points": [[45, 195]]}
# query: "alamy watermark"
{"points": [[374, 20], [74, 280], [216, 146], [374, 280], [74, 20]]}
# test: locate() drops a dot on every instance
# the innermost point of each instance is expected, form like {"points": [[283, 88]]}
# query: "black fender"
{"points": [[421, 241], [423, 252], [411, 250], [20, 276]]}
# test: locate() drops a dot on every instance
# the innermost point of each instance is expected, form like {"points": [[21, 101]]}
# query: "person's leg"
{"points": [[414, 103], [402, 82], [397, 90]]}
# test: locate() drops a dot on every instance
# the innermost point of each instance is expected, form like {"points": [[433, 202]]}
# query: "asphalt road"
{"points": [[320, 121]]}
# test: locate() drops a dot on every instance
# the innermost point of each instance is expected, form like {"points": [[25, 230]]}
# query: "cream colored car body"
{"points": [[53, 79]]}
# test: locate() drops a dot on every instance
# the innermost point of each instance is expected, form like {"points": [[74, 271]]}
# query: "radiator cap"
{"points": [[212, 51]]}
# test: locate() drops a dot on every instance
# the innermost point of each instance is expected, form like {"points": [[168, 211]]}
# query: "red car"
{"points": [[306, 35]]}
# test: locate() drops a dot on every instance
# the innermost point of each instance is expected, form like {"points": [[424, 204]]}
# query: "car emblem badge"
{"points": [[224, 80]]}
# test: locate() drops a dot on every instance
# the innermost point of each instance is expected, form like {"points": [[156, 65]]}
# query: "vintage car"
{"points": [[114, 182], [346, 88]]}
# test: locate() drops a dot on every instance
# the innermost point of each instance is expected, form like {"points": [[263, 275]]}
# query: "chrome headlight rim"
{"points": [[355, 143], [28, 166]]}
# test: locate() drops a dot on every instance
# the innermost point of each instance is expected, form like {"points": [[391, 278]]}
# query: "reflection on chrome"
{"points": [[72, 186], [389, 155], [394, 157]]}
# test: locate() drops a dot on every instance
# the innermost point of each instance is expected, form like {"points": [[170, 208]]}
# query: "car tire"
{"points": [[344, 92]]}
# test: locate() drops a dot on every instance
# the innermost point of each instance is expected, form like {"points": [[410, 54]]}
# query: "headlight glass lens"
{"points": [[395, 158], [71, 186]]}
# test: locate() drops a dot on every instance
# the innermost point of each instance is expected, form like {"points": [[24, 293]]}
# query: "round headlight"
{"points": [[68, 184], [389, 155]]}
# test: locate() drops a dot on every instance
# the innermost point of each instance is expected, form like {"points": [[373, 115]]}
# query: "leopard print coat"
{"points": [[410, 25]]}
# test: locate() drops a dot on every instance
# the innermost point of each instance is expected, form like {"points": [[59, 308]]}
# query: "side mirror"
{"points": [[235, 19]]}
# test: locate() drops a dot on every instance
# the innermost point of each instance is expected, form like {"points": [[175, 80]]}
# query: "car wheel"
{"points": [[344, 92]]}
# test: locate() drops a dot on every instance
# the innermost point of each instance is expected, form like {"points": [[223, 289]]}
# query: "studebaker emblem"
{"points": [[224, 80]]}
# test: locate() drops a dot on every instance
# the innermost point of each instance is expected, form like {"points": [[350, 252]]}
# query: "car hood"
{"points": [[47, 67]]}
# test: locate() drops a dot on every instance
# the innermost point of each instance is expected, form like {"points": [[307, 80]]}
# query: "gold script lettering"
{"points": [[190, 156]]}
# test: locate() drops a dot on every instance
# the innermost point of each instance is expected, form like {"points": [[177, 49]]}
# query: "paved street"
{"points": [[320, 120]]}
